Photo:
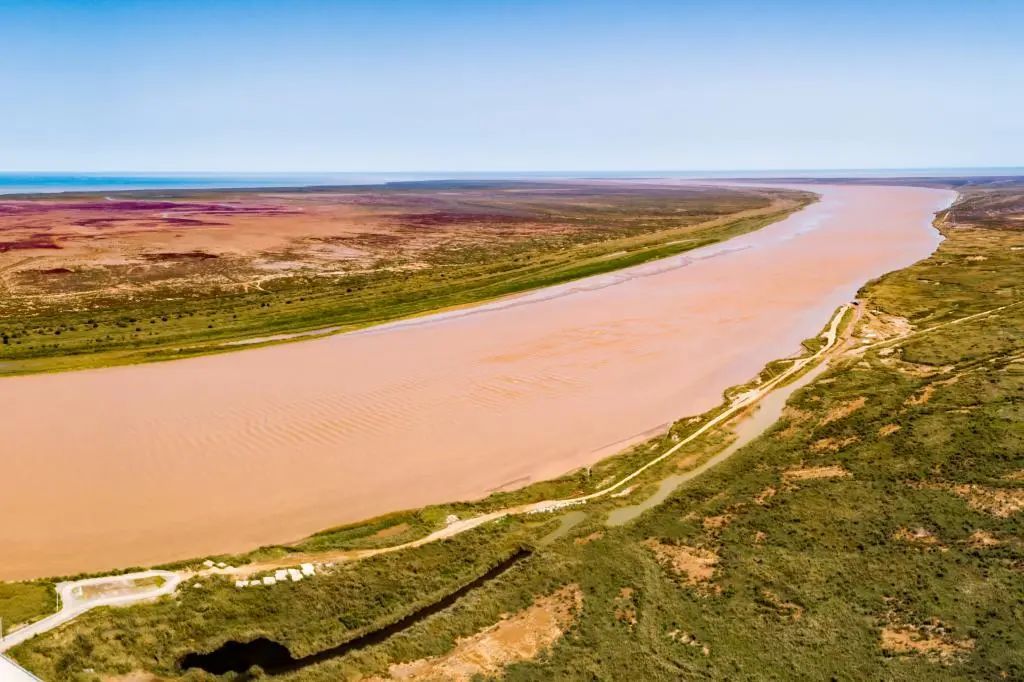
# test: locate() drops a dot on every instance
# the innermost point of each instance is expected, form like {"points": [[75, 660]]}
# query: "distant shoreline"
{"points": [[26, 185]]}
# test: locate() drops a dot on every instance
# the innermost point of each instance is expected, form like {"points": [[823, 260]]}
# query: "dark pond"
{"points": [[275, 658], [240, 656]]}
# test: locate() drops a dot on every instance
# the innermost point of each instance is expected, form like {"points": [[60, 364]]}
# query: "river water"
{"points": [[151, 463], [746, 429]]}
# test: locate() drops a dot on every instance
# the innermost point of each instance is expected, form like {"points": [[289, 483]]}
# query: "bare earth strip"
{"points": [[270, 444]]}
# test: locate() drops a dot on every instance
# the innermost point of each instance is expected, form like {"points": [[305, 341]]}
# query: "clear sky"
{"points": [[397, 85]]}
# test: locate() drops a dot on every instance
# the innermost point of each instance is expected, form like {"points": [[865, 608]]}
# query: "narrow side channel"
{"points": [[275, 658]]}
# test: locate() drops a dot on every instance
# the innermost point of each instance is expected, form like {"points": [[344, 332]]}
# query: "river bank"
{"points": [[278, 442]]}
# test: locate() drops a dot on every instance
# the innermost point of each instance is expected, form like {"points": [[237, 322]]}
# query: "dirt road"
{"points": [[79, 596], [271, 444]]}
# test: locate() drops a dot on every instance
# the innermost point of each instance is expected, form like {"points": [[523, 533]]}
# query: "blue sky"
{"points": [[398, 85]]}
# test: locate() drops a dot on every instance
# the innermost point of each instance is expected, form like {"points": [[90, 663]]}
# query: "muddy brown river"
{"points": [[144, 464]]}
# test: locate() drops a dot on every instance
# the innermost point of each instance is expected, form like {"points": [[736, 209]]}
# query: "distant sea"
{"points": [[31, 183]]}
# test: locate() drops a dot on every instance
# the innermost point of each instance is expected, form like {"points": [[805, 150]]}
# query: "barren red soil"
{"points": [[115, 245]]}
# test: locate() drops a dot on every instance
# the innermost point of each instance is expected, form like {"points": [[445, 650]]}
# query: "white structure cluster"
{"points": [[280, 575], [219, 564]]}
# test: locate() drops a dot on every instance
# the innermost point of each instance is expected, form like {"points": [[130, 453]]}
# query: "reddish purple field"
{"points": [[439, 218], [179, 255], [41, 242]]}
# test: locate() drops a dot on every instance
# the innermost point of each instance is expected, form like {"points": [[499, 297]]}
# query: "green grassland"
{"points": [[593, 234], [911, 537], [306, 616], [22, 603]]}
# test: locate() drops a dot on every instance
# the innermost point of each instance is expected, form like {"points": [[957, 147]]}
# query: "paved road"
{"points": [[76, 598]]}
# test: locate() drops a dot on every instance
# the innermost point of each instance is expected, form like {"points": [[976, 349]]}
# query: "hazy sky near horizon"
{"points": [[397, 85]]}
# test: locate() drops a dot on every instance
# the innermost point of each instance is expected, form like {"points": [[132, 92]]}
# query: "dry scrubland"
{"points": [[873, 533], [89, 280]]}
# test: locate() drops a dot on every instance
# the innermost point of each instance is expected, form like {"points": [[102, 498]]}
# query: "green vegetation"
{"points": [[572, 237], [811, 571], [340, 604], [23, 603], [875, 532], [402, 527]]}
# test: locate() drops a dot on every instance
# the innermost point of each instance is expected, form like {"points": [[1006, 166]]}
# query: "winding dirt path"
{"points": [[942, 325], [79, 596]]}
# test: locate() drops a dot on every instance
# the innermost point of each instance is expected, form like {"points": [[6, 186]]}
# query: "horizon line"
{"points": [[511, 171]]}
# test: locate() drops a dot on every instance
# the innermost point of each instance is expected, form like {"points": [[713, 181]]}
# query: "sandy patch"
{"points": [[833, 444], [695, 564], [917, 536], [687, 462], [921, 397], [932, 641], [519, 637], [811, 473], [794, 418], [688, 639], [925, 394], [391, 531], [596, 535], [785, 608], [878, 326], [888, 430], [765, 495], [981, 539], [843, 410], [916, 370], [717, 522], [999, 502], [1014, 476], [625, 607]]}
